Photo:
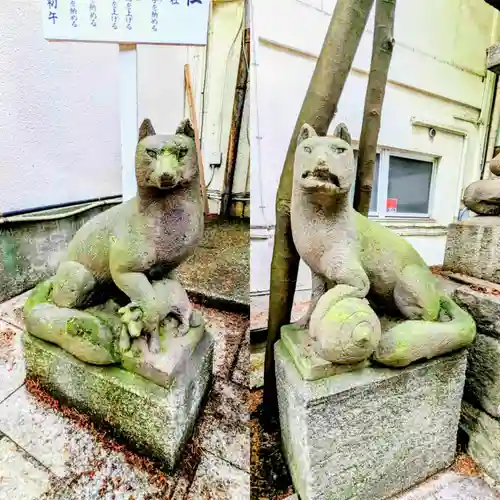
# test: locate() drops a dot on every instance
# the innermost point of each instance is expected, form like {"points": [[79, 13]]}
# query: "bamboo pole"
{"points": [[383, 44], [194, 121]]}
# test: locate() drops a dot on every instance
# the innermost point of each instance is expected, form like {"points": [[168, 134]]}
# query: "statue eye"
{"points": [[340, 150], [307, 149], [152, 153]]}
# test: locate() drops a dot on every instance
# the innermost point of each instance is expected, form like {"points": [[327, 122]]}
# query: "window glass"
{"points": [[409, 185], [374, 196]]}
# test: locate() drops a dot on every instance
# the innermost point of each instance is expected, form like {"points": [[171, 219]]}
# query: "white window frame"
{"points": [[382, 186]]}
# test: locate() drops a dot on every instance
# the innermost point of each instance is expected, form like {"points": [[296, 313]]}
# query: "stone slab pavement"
{"points": [[46, 454], [447, 485]]}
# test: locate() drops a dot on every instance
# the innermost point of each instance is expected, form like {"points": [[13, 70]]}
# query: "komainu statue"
{"points": [[373, 295], [114, 295]]}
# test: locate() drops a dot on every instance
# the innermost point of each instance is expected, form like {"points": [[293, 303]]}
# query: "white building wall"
{"points": [[437, 77], [60, 118]]}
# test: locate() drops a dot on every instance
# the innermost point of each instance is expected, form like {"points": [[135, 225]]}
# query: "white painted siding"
{"points": [[437, 76], [60, 120]]}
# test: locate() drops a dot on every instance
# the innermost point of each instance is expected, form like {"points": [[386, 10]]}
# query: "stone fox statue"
{"points": [[353, 257], [143, 239]]}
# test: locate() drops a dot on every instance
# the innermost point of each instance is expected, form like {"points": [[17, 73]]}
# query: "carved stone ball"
{"points": [[483, 197], [495, 165], [348, 333]]}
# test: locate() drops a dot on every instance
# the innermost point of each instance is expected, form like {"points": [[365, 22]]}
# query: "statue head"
{"points": [[324, 164], [166, 161]]}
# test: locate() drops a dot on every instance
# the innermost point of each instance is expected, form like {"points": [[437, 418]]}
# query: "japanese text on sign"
{"points": [[127, 21]]}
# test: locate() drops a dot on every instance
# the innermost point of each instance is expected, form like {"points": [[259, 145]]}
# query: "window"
{"points": [[409, 185], [402, 185]]}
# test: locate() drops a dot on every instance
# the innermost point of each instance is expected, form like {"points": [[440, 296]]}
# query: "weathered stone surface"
{"points": [[484, 438], [150, 418], [217, 272], [483, 197], [451, 486], [472, 248], [482, 383], [21, 478], [257, 360], [485, 308], [30, 252], [228, 330], [309, 364], [224, 429], [11, 311], [216, 479], [80, 465], [12, 371], [370, 433]]}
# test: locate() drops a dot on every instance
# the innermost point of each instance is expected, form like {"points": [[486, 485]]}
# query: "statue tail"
{"points": [[78, 332], [413, 340]]}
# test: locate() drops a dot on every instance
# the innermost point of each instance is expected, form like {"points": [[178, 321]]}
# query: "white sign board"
{"points": [[180, 22]]}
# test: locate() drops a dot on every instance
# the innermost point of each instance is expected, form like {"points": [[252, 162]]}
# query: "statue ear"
{"points": [[342, 132], [185, 128], [146, 129], [306, 132]]}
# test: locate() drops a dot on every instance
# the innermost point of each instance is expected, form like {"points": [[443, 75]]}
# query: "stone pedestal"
{"points": [[153, 420], [481, 410], [370, 433], [473, 248]]}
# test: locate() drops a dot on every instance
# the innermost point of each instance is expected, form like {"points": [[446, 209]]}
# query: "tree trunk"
{"points": [[383, 44], [318, 109]]}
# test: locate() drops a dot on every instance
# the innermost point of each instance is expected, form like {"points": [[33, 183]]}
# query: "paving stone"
{"points": [[12, 370], [11, 311], [241, 372], [224, 430], [21, 477], [228, 330], [217, 479], [71, 453], [450, 485]]}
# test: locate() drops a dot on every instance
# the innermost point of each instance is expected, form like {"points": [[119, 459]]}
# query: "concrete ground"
{"points": [[46, 455]]}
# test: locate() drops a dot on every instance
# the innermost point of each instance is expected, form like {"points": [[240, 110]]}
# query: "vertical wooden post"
{"points": [[192, 109], [128, 117]]}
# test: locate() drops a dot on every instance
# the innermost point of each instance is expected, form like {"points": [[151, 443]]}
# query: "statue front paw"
{"points": [[132, 317], [138, 319], [154, 342]]}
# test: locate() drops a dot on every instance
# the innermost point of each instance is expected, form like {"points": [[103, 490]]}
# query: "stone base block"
{"points": [[371, 433], [472, 248], [483, 307], [482, 384], [483, 433], [153, 420]]}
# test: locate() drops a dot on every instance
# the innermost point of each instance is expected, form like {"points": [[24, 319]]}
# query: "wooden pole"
{"points": [[383, 44], [192, 110]]}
